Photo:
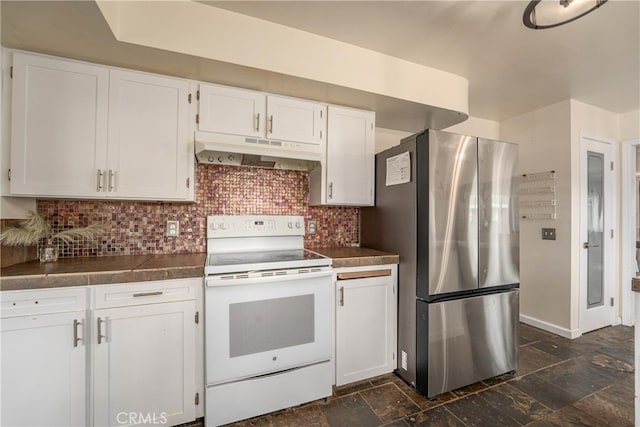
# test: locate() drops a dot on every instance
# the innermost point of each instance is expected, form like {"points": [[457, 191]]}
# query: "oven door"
{"points": [[261, 325]]}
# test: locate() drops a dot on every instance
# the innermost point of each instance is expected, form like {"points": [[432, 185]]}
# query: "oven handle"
{"points": [[211, 283]]}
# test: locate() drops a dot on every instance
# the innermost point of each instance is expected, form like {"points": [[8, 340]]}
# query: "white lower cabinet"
{"points": [[126, 355], [143, 364], [366, 319], [44, 358]]}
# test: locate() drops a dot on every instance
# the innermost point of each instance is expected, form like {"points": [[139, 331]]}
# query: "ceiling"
{"points": [[511, 69]]}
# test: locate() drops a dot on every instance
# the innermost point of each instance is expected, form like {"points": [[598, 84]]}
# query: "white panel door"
{"points": [[295, 120], [232, 111], [58, 127], [365, 327], [350, 157], [44, 370], [144, 364], [150, 152]]}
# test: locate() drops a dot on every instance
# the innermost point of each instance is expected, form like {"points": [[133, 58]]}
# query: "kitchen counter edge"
{"points": [[101, 270], [357, 257]]}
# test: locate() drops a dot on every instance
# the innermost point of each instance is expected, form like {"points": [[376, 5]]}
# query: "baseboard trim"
{"points": [[550, 327]]}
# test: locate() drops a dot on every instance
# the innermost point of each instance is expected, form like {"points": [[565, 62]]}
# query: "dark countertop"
{"points": [[357, 257], [101, 270], [635, 284]]}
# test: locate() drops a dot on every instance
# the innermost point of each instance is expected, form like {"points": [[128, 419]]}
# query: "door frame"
{"points": [[610, 224], [627, 232]]}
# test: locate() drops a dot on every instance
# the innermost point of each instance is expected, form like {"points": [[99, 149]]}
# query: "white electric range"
{"points": [[268, 317]]}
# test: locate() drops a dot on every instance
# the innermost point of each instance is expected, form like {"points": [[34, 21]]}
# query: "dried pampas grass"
{"points": [[34, 227]]}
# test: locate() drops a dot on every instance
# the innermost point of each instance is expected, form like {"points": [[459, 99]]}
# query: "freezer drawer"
{"points": [[467, 340]]}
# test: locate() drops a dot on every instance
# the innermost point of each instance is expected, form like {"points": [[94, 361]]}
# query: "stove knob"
{"points": [[214, 226], [223, 226], [290, 224], [297, 225]]}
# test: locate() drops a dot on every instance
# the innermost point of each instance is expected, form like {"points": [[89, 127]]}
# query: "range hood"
{"points": [[238, 150]]}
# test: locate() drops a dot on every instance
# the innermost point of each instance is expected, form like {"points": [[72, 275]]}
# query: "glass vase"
{"points": [[49, 253]]}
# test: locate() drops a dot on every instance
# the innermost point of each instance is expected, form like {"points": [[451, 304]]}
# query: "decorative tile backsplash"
{"points": [[136, 228]]}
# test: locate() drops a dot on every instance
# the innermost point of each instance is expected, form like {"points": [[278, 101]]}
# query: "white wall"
{"points": [[473, 126], [630, 125], [544, 138]]}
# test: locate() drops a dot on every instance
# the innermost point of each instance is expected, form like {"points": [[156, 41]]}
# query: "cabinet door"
{"points": [[44, 370], [350, 157], [144, 364], [232, 111], [295, 120], [150, 153], [58, 127], [365, 327]]}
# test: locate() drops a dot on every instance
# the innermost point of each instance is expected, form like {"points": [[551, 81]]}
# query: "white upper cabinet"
{"points": [[149, 152], [248, 113], [87, 131], [58, 127], [295, 120], [346, 177], [233, 111]]}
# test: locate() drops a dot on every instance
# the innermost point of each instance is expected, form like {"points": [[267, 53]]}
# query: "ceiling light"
{"points": [[540, 14]]}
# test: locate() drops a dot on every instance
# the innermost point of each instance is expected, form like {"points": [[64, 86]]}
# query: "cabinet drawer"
{"points": [[42, 301], [141, 293]]}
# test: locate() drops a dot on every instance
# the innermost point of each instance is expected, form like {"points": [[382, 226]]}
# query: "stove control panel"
{"points": [[224, 226]]}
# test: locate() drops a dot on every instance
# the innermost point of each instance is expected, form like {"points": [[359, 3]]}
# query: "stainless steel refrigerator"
{"points": [[448, 205]]}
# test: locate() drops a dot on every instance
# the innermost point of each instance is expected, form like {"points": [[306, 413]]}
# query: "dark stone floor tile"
{"points": [[263, 421], [580, 376], [389, 403], [436, 417], [470, 389], [397, 423], [546, 392], [474, 411], [515, 403], [351, 388], [529, 334], [614, 405], [566, 349], [570, 417], [307, 415], [349, 411], [382, 379], [531, 359], [421, 400], [500, 379]]}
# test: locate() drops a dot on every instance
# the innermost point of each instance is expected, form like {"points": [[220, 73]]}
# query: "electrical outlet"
{"points": [[548, 234], [173, 228], [311, 227]]}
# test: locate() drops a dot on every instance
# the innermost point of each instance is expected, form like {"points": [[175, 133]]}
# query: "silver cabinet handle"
{"points": [[257, 122], [271, 123], [76, 323], [342, 296], [100, 336], [147, 294], [99, 179], [588, 245], [112, 179], [331, 190]]}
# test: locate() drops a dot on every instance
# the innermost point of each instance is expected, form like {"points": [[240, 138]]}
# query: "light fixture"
{"points": [[540, 14]]}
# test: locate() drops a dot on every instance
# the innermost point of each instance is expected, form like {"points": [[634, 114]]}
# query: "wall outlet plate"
{"points": [[548, 234], [173, 228], [312, 227]]}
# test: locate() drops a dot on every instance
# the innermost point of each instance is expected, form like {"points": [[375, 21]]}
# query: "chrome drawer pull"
{"points": [[100, 336], [147, 294], [75, 332]]}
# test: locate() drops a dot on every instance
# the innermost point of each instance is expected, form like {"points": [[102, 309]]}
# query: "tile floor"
{"points": [[588, 381]]}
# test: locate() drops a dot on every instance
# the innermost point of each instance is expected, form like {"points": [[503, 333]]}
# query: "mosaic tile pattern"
{"points": [[137, 228]]}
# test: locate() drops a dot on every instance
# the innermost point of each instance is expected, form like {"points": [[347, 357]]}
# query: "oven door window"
{"points": [[259, 326], [263, 325]]}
